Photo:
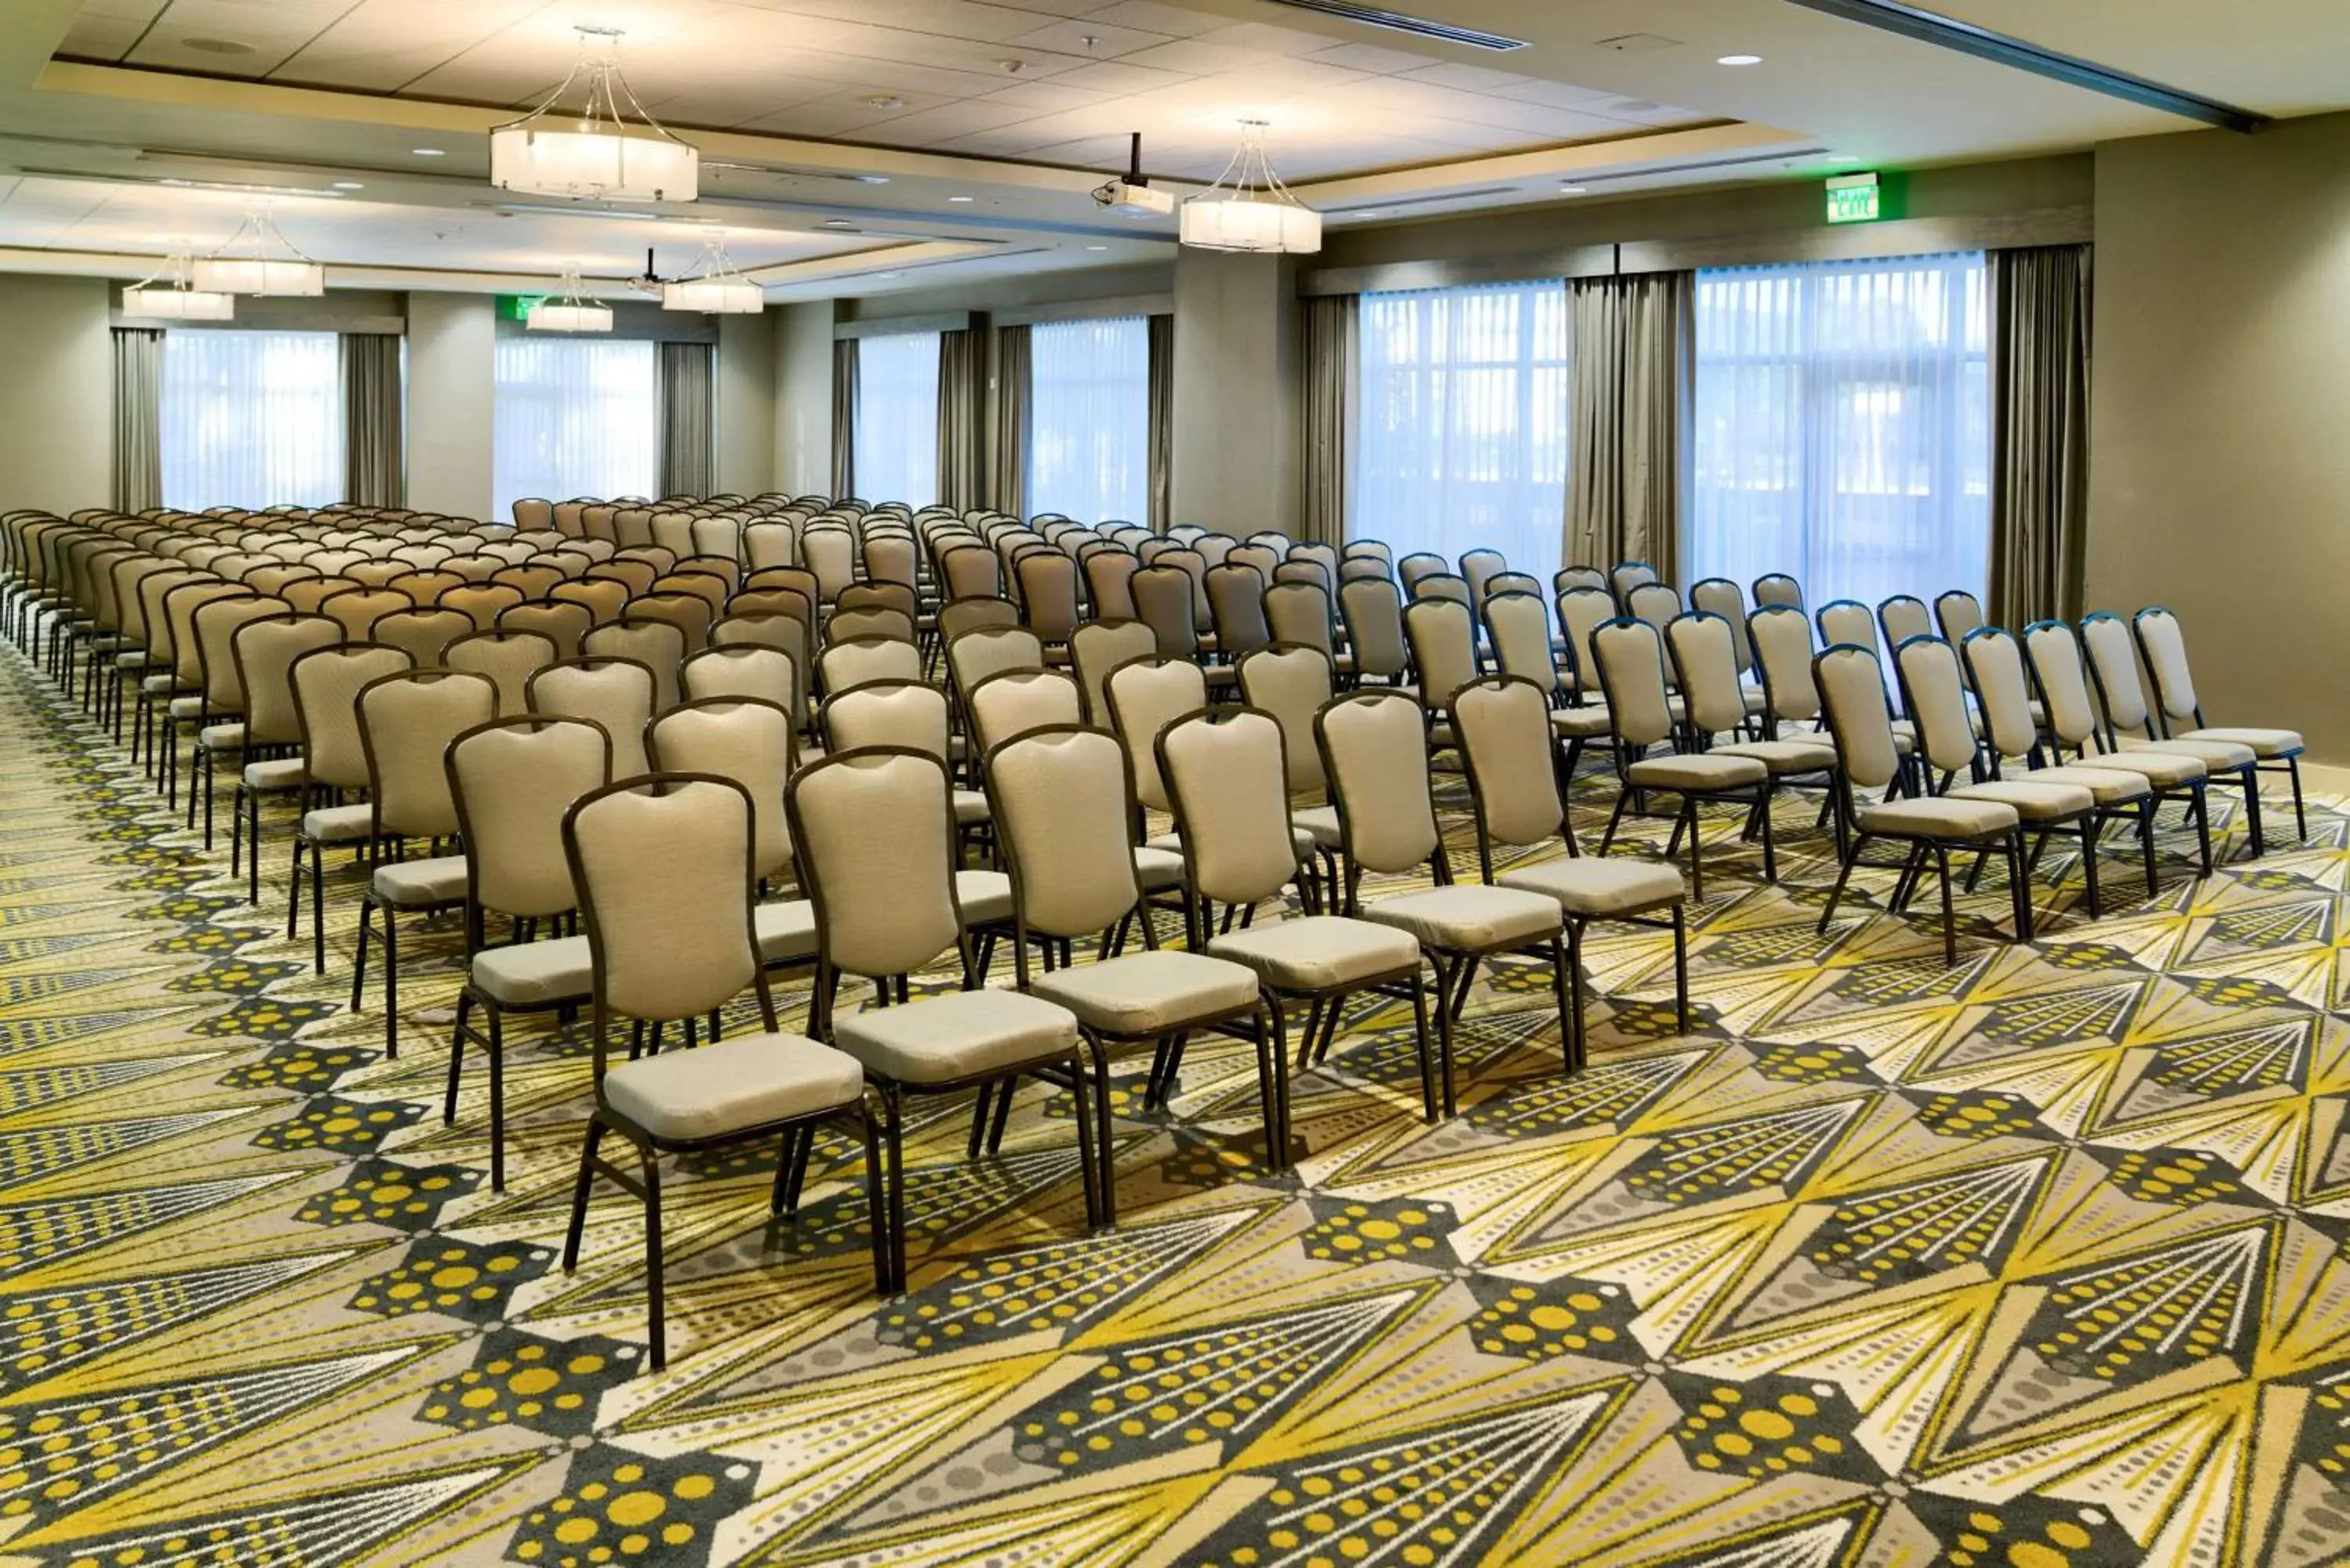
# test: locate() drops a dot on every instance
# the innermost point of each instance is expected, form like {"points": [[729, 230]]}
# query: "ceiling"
{"points": [[855, 146]]}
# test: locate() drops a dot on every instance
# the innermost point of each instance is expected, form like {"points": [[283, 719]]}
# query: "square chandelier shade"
{"points": [[169, 304], [592, 159], [1241, 223], [264, 276]]}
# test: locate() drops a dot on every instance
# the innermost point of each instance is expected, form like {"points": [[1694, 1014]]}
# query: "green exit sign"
{"points": [[1854, 199], [517, 306]]}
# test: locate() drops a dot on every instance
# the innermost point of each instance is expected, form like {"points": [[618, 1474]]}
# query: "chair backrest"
{"points": [[873, 621], [971, 572], [1013, 701], [664, 883], [1236, 604], [1782, 653], [1724, 597], [847, 665], [1778, 588], [1418, 564], [2052, 650], [1292, 682], [1443, 647], [891, 559], [1852, 694], [482, 601], [2164, 647], [1508, 747], [533, 581], [1360, 568], [888, 714], [1061, 803], [1656, 603], [327, 684], [690, 613], [423, 589], [709, 587], [562, 624], [426, 634], [1903, 617], [658, 644], [1099, 647], [879, 831], [1581, 612], [975, 656], [1263, 559], [265, 651], [883, 595], [1567, 577], [740, 738], [1146, 695], [617, 695], [831, 554], [1631, 660], [360, 608], [770, 543], [603, 598], [1846, 620], [2113, 665], [508, 657], [1227, 783], [2002, 688], [181, 608], [408, 720], [1164, 600], [1374, 748], [1048, 593], [1372, 609], [1296, 611], [216, 625], [637, 576], [1108, 579], [1477, 568], [1518, 627], [1935, 695], [957, 618], [1958, 613], [1705, 666]]}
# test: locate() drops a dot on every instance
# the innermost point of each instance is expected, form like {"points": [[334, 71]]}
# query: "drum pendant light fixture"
{"points": [[568, 312], [258, 260], [712, 286], [166, 295], [1249, 209], [605, 149]]}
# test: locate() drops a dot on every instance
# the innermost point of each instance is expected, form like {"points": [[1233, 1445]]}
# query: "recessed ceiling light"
{"points": [[886, 100], [1373, 212], [1096, 247], [1739, 60], [960, 198], [428, 153], [348, 185], [1574, 189], [886, 275]]}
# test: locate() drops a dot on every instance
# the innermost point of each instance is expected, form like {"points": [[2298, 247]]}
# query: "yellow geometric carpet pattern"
{"points": [[2034, 1262]]}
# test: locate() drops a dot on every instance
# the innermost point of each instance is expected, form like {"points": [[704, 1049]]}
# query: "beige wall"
{"points": [[2220, 412], [1235, 422], [57, 400], [452, 402], [803, 401], [744, 417]]}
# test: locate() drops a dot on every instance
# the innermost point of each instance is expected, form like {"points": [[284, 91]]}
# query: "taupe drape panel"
{"points": [[689, 375], [844, 418], [1010, 476], [1162, 422], [1635, 364], [1332, 332], [373, 470], [138, 419], [2040, 433], [962, 409]]}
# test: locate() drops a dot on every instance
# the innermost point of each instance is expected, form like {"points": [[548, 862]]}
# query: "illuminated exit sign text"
{"points": [[1854, 199]]}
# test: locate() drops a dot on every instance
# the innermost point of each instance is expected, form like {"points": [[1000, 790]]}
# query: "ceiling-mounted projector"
{"points": [[1132, 196]]}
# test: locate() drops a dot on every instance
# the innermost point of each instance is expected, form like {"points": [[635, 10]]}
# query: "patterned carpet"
{"points": [[2034, 1261]]}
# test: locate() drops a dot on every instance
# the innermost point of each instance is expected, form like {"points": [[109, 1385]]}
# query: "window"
{"points": [[1462, 422], [896, 429], [1843, 427], [251, 418], [1089, 420], [575, 415]]}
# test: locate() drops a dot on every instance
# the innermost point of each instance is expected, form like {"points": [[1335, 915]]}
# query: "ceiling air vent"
{"points": [[1396, 22]]}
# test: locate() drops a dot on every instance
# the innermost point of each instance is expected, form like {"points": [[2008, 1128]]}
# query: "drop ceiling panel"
{"points": [[1177, 21], [1089, 39]]}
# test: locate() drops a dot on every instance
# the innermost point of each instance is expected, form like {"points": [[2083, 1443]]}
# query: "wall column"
{"points": [[452, 382], [1236, 465]]}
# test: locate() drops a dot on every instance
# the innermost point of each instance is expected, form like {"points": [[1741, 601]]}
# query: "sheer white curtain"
{"points": [[896, 429], [1462, 422], [1089, 420], [575, 415], [251, 418], [1843, 427]]}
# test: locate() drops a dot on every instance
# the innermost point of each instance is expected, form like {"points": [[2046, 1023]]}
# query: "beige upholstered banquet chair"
{"points": [[562, 623], [1724, 597], [1292, 682], [750, 740], [1099, 647], [2122, 699], [1778, 588], [1630, 656], [745, 670], [1713, 703], [2181, 712], [1901, 618], [1581, 612], [664, 885], [218, 714], [1959, 614], [426, 634], [508, 657], [327, 684], [265, 651], [2051, 651], [879, 833], [1515, 773], [1060, 800], [658, 644], [617, 695], [1010, 702], [407, 723]]}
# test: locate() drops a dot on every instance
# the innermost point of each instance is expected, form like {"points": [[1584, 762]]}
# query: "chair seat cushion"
{"points": [[786, 931], [1785, 756], [135, 661], [1589, 886], [221, 737], [1319, 952], [338, 824], [969, 808], [421, 884], [984, 897], [533, 974], [2163, 770], [1939, 816], [278, 773], [1150, 992], [2217, 756], [2034, 800], [731, 1085], [946, 1039], [1702, 770], [156, 685], [2264, 742], [1158, 869], [2110, 786], [187, 707], [1319, 823], [1585, 723], [1469, 918]]}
